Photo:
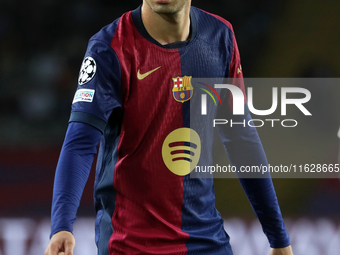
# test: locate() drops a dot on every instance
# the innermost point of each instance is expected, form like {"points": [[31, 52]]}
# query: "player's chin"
{"points": [[164, 6], [166, 9]]}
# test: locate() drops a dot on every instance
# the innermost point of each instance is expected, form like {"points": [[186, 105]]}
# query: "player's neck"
{"points": [[167, 28]]}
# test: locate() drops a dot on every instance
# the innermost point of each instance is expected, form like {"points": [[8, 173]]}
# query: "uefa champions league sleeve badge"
{"points": [[87, 70]]}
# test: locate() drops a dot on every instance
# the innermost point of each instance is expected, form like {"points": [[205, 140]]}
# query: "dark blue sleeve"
{"points": [[72, 172], [244, 148]]}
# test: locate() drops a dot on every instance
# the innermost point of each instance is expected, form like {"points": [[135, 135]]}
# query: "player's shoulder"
{"points": [[116, 33], [213, 29], [210, 19], [106, 33]]}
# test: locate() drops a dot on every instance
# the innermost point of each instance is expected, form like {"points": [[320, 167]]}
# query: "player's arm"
{"points": [[244, 148], [97, 95], [72, 172]]}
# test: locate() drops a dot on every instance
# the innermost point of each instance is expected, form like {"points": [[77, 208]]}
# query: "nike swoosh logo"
{"points": [[239, 70], [142, 76]]}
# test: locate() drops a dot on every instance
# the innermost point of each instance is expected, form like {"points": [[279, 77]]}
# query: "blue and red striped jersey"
{"points": [[137, 93]]}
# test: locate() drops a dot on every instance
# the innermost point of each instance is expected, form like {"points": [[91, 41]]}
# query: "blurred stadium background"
{"points": [[42, 44]]}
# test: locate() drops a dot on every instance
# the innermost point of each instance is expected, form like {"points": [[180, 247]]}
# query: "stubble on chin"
{"points": [[165, 8]]}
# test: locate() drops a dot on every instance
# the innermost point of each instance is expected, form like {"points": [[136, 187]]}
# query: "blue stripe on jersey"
{"points": [[200, 219]]}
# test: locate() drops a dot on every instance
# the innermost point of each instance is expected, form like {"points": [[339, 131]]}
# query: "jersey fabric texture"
{"points": [[142, 207]]}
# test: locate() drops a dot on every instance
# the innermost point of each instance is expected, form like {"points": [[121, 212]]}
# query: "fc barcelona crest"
{"points": [[182, 89]]}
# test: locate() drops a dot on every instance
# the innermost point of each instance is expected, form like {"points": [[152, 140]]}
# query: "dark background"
{"points": [[42, 44]]}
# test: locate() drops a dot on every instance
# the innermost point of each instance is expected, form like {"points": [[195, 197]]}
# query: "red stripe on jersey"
{"points": [[148, 210]]}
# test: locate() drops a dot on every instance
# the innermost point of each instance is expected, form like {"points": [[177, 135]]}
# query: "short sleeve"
{"points": [[99, 86]]}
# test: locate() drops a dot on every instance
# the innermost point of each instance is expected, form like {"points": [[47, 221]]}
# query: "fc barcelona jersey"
{"points": [[138, 92]]}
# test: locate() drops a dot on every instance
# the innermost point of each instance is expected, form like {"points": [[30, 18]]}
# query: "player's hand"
{"points": [[281, 251], [61, 243]]}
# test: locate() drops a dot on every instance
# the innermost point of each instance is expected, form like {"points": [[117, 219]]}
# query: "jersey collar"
{"points": [[137, 20]]}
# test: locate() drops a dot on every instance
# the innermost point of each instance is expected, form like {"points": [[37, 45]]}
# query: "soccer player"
{"points": [[133, 97]]}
